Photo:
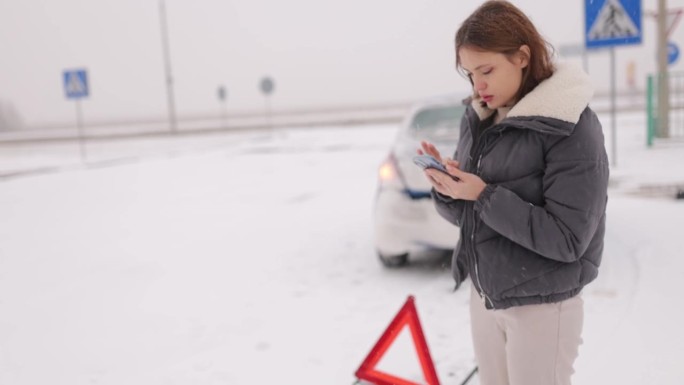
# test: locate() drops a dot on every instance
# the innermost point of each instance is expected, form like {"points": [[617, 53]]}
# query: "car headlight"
{"points": [[389, 173]]}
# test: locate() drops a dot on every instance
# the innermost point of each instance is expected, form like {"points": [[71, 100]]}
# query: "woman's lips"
{"points": [[487, 98]]}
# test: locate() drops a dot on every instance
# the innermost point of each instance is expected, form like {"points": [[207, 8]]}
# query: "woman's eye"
{"points": [[489, 71]]}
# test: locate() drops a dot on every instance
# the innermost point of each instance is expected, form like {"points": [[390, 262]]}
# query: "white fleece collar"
{"points": [[563, 96]]}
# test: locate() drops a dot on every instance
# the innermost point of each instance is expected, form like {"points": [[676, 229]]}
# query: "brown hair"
{"points": [[498, 26]]}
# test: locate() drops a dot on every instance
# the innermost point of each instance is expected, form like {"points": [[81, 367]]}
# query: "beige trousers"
{"points": [[526, 345]]}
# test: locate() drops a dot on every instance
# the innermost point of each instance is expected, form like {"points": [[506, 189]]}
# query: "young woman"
{"points": [[528, 189]]}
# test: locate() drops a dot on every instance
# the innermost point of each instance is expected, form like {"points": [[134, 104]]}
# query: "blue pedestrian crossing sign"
{"points": [[76, 83], [612, 22], [672, 53]]}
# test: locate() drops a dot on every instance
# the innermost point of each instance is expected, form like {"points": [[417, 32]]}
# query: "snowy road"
{"points": [[249, 260]]}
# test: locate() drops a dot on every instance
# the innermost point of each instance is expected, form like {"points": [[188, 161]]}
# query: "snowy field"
{"points": [[248, 259]]}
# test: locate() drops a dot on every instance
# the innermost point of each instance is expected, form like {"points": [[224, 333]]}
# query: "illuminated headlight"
{"points": [[389, 173]]}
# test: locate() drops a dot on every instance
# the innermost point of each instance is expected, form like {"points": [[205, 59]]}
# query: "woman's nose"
{"points": [[480, 86]]}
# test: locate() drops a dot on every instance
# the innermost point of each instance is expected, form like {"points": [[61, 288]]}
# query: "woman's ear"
{"points": [[524, 55]]}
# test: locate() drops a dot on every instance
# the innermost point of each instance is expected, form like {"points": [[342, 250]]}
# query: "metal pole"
{"points": [[167, 67], [663, 83], [613, 125], [224, 113], [268, 113], [79, 127]]}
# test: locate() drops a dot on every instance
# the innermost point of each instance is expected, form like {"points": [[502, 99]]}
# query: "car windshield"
{"points": [[438, 122]]}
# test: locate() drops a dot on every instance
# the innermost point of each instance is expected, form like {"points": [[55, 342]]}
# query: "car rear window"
{"points": [[438, 121]]}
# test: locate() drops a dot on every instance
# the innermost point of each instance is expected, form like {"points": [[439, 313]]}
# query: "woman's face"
{"points": [[495, 77]]}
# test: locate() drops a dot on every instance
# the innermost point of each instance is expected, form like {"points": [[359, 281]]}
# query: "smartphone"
{"points": [[428, 161]]}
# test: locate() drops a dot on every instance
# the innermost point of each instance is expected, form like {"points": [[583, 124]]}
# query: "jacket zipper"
{"points": [[481, 293], [483, 296]]}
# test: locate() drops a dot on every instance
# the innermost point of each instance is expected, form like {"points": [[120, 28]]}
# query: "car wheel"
{"points": [[393, 261]]}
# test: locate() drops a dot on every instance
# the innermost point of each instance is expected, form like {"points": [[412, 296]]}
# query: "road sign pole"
{"points": [[76, 87], [267, 86], [170, 99], [663, 82], [222, 94], [606, 24], [268, 112], [613, 115], [79, 128], [224, 113]]}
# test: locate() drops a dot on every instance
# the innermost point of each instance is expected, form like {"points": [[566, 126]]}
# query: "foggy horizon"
{"points": [[319, 55]]}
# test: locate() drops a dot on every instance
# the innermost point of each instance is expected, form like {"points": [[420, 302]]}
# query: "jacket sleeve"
{"points": [[575, 185], [449, 208]]}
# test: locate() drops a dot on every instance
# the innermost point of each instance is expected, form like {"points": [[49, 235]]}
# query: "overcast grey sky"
{"points": [[320, 53]]}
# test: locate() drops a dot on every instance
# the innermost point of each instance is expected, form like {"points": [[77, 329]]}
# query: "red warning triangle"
{"points": [[407, 316]]}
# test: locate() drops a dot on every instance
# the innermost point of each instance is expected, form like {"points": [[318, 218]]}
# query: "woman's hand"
{"points": [[467, 187], [430, 149]]}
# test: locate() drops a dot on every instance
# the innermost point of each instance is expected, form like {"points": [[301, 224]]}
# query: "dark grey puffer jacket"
{"points": [[535, 234]]}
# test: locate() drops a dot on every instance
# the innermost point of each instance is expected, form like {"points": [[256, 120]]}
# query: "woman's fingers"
{"points": [[429, 148], [434, 152], [433, 179], [455, 171], [438, 177], [425, 147], [430, 175]]}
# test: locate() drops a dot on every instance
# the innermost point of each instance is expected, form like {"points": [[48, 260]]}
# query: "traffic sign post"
{"points": [[672, 53], [170, 95], [222, 94], [267, 85], [667, 53], [76, 87], [610, 23]]}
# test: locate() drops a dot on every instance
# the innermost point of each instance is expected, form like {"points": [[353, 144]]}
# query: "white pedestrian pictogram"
{"points": [[74, 84], [613, 22]]}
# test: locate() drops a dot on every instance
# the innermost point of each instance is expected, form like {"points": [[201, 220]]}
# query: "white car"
{"points": [[405, 218]]}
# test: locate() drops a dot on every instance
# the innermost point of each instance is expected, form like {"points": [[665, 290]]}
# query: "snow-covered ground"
{"points": [[248, 259]]}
